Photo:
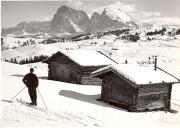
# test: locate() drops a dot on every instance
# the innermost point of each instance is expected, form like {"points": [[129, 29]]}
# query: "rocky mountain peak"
{"points": [[69, 21], [117, 14], [63, 8], [95, 15]]}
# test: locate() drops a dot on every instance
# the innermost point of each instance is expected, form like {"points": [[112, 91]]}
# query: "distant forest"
{"points": [[27, 60]]}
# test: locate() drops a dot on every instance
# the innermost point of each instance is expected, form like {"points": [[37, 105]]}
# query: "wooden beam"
{"points": [[168, 73]]}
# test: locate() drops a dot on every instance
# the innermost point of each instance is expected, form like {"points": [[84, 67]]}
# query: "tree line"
{"points": [[162, 31], [27, 60]]}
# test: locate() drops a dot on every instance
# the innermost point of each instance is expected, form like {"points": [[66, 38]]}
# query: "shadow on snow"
{"points": [[87, 98]]}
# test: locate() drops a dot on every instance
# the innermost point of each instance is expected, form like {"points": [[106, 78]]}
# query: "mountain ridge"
{"points": [[68, 21]]}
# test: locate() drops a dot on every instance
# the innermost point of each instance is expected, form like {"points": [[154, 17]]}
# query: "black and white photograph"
{"points": [[90, 63]]}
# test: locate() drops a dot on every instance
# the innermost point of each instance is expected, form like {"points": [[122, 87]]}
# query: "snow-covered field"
{"points": [[12, 42], [71, 105], [167, 48], [29, 51]]}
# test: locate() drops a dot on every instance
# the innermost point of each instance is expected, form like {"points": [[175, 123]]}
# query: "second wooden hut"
{"points": [[75, 66]]}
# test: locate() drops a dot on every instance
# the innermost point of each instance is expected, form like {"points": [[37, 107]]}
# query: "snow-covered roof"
{"points": [[87, 57], [137, 74]]}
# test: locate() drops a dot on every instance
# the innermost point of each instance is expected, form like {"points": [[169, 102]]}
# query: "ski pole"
{"points": [[18, 93], [42, 99]]}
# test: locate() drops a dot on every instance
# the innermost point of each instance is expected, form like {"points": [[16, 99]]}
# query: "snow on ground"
{"points": [[38, 65], [66, 45], [71, 105], [55, 95], [10, 42], [29, 51], [167, 51], [165, 47]]}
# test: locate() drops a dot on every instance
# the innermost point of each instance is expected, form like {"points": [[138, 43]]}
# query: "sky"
{"points": [[14, 12]]}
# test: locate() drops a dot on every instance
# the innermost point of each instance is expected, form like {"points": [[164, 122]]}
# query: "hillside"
{"points": [[133, 45]]}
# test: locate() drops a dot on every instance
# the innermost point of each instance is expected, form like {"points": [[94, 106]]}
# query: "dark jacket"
{"points": [[31, 80]]}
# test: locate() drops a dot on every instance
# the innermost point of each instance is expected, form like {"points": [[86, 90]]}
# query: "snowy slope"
{"points": [[11, 42], [167, 48], [71, 105], [29, 51], [55, 95], [105, 42]]}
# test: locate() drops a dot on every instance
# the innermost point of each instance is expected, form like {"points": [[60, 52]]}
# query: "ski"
{"points": [[27, 104], [9, 101]]}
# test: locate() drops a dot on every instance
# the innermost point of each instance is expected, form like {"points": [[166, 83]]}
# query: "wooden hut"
{"points": [[135, 88], [75, 66]]}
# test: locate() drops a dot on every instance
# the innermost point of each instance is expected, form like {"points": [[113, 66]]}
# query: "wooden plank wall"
{"points": [[117, 89], [87, 80], [75, 71], [52, 75], [85, 75], [122, 91], [152, 97], [55, 63], [106, 90]]}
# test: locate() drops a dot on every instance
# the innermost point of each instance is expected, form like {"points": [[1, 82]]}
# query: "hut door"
{"points": [[64, 72], [106, 90]]}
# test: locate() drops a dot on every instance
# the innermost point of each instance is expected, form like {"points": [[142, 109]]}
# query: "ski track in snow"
{"points": [[19, 114]]}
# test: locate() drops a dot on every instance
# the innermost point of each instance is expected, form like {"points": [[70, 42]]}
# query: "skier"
{"points": [[31, 82]]}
